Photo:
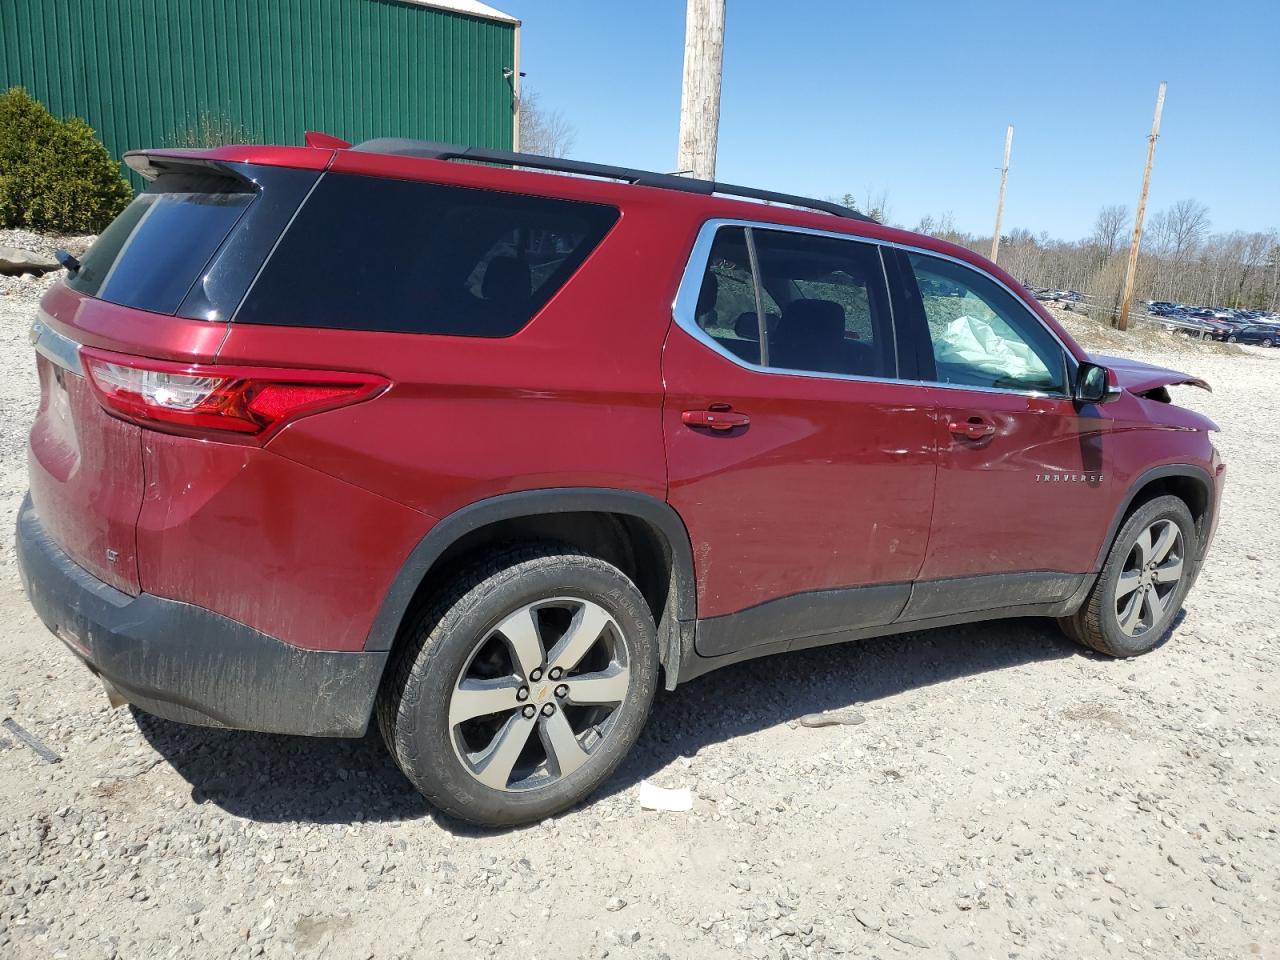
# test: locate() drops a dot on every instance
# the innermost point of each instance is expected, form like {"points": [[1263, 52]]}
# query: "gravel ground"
{"points": [[1007, 795]]}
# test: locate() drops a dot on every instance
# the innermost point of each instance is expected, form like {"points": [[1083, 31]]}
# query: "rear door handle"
{"points": [[972, 428], [717, 417]]}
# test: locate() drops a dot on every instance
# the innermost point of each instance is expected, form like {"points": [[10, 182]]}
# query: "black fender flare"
{"points": [[1188, 470], [527, 503]]}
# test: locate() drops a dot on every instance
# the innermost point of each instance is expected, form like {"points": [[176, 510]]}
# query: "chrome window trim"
{"points": [[685, 304], [59, 350]]}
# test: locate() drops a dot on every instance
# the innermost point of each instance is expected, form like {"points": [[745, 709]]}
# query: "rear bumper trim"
{"points": [[189, 664], [60, 350]]}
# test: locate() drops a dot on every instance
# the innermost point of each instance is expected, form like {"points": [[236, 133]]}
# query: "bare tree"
{"points": [[1273, 259], [1254, 251], [1188, 226], [546, 133], [1110, 229]]}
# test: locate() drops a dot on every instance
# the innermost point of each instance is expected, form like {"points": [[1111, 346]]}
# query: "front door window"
{"points": [[981, 336]]}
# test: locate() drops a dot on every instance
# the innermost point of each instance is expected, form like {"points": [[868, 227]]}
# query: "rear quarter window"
{"points": [[152, 254], [366, 253]]}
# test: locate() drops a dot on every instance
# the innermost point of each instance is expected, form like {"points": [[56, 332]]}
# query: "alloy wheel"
{"points": [[1149, 578], [558, 668]]}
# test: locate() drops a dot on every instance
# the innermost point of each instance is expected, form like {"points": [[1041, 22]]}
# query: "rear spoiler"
{"points": [[150, 163]]}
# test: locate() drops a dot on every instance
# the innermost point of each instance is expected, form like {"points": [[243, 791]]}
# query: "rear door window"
{"points": [[824, 301], [366, 253], [152, 254], [834, 307], [726, 309]]}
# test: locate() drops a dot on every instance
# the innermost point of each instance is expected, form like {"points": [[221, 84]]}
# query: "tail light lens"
{"points": [[240, 403]]}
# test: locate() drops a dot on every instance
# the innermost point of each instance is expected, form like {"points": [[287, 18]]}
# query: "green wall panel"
{"points": [[146, 73]]}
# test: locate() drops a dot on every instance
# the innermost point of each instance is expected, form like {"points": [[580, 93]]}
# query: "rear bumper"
{"points": [[189, 664]]}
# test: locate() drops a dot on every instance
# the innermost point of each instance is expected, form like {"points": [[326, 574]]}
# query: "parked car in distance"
{"points": [[329, 434], [1066, 296], [1217, 329], [1263, 334]]}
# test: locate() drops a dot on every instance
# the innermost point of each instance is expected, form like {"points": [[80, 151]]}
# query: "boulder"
{"points": [[14, 261]]}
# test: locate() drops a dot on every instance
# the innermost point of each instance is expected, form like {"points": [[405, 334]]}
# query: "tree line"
{"points": [[1181, 259]]}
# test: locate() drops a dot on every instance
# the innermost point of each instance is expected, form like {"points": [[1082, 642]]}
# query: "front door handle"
{"points": [[717, 417], [972, 428]]}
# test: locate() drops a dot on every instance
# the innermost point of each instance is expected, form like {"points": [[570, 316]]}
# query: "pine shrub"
{"points": [[54, 174]]}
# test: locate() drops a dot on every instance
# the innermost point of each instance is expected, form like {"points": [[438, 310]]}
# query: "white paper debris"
{"points": [[657, 798]]}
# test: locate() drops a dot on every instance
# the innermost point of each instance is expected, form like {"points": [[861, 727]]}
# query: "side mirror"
{"points": [[1095, 384]]}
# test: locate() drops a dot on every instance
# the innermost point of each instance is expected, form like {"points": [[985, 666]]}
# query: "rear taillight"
{"points": [[242, 403]]}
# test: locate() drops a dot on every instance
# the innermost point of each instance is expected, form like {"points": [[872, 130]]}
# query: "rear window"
{"points": [[366, 253], [156, 250]]}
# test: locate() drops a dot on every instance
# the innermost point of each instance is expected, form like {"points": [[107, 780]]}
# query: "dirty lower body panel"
{"points": [[187, 663]]}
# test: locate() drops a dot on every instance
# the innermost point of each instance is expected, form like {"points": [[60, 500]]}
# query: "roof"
{"points": [[472, 8], [431, 150]]}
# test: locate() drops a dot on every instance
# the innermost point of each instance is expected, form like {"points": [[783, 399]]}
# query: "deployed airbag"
{"points": [[976, 343]]}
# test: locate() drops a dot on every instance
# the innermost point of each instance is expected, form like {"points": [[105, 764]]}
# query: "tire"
{"points": [[1233, 339], [1098, 622], [1266, 342], [454, 647]]}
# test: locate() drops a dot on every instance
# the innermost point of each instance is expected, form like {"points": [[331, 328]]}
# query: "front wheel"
{"points": [[1233, 339], [1140, 590], [1266, 341], [522, 688]]}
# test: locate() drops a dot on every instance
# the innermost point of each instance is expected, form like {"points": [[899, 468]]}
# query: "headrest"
{"points": [[814, 319], [747, 327], [707, 295]]}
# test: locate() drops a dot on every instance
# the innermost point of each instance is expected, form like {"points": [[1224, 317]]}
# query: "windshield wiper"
{"points": [[70, 263]]}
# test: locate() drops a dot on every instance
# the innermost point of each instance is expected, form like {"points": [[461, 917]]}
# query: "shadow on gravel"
{"points": [[757, 694], [278, 778]]}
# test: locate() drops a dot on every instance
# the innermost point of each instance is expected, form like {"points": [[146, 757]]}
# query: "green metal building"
{"points": [[151, 73]]}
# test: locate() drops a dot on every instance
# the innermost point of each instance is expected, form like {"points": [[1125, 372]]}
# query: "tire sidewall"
{"points": [[1162, 508], [423, 736]]}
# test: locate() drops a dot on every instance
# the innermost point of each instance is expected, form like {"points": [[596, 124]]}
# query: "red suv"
{"points": [[328, 431]]}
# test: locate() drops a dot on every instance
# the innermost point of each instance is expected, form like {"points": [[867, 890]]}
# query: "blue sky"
{"points": [[824, 97]]}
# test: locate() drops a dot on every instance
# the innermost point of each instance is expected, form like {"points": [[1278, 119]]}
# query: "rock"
{"points": [[908, 939], [870, 918], [15, 261], [849, 718], [614, 904]]}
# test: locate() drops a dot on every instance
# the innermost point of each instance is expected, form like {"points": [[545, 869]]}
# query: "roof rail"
{"points": [[431, 150]]}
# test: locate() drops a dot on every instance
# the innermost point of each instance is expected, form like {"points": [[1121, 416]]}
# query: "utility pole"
{"points": [[700, 94], [1004, 180], [1122, 321]]}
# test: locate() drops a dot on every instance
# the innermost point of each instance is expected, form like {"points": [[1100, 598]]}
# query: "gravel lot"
{"points": [[1008, 795]]}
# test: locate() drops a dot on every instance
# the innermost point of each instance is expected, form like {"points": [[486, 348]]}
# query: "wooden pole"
{"points": [[1004, 180], [700, 94], [1122, 321]]}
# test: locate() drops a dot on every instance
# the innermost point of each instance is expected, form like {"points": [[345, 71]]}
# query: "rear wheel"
{"points": [[1266, 341], [1140, 590], [523, 687]]}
